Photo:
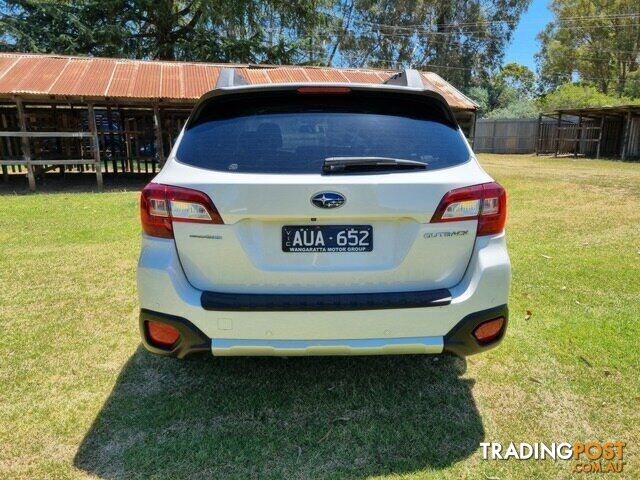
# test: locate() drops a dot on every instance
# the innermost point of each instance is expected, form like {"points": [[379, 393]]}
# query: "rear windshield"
{"points": [[292, 133]]}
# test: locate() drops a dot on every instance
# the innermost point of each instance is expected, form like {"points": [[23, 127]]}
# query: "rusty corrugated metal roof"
{"points": [[32, 75]]}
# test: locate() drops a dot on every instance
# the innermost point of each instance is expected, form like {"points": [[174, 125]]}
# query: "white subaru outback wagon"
{"points": [[322, 219]]}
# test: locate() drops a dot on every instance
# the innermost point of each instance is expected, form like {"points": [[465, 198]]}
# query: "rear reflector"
{"points": [[490, 330], [162, 334], [486, 203], [324, 90], [161, 205]]}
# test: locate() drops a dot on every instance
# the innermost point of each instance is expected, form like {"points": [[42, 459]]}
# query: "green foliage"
{"points": [[458, 39], [269, 31], [518, 77], [254, 31], [509, 91], [88, 28], [632, 86], [480, 95], [522, 108], [579, 95]]}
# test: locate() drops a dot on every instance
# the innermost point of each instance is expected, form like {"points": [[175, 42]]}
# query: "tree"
{"points": [[65, 27], [481, 96], [513, 84], [267, 31], [519, 77], [159, 27], [270, 31], [595, 40], [459, 39], [632, 85]]}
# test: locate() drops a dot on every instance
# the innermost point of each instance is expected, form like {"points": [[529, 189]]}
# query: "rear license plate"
{"points": [[327, 238]]}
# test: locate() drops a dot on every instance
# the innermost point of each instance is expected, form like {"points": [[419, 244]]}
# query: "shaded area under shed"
{"points": [[592, 132]]}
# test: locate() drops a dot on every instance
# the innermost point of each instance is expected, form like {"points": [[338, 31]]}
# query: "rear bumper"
{"points": [[459, 341], [416, 328]]}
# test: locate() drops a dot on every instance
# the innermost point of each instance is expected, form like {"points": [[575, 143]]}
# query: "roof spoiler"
{"points": [[409, 77], [230, 77]]}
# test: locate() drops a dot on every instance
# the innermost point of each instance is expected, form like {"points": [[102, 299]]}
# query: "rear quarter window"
{"points": [[270, 132]]}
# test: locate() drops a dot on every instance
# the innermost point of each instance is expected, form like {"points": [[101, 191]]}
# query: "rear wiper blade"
{"points": [[334, 165]]}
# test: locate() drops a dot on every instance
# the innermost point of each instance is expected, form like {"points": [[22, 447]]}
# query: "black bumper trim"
{"points": [[324, 302], [192, 340], [460, 340]]}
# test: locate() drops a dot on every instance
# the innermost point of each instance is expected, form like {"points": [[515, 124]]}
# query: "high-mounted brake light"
{"points": [[486, 202], [161, 205], [324, 90]]}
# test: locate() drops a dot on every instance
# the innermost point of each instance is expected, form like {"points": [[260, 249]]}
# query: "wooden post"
{"points": [[558, 125], [56, 122], [539, 135], [5, 169], [111, 142], [157, 123], [493, 136], [70, 126], [472, 133], [124, 127], [600, 134], [625, 137], [576, 145], [96, 146], [26, 145]]}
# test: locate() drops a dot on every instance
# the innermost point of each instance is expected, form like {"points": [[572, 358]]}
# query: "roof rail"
{"points": [[229, 77], [409, 77]]}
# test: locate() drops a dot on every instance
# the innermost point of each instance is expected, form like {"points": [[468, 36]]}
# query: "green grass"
{"points": [[79, 397]]}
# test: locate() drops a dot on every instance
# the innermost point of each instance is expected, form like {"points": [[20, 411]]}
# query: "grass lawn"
{"points": [[79, 397]]}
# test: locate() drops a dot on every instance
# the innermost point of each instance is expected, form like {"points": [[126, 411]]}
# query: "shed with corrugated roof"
{"points": [[112, 115]]}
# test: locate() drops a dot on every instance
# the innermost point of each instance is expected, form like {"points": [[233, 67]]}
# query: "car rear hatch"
{"points": [[322, 192]]}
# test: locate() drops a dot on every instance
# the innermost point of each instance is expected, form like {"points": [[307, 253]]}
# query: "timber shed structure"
{"points": [[592, 131], [111, 116]]}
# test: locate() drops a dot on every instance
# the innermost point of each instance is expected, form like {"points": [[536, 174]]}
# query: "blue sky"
{"points": [[524, 44]]}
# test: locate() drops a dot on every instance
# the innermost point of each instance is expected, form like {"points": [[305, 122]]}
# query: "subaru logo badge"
{"points": [[328, 200]]}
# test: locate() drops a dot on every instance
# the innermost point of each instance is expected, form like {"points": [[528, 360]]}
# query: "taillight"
{"points": [[161, 205], [486, 203]]}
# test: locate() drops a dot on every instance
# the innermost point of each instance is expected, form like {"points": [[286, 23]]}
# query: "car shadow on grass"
{"points": [[331, 417]]}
